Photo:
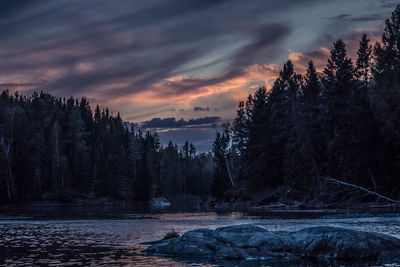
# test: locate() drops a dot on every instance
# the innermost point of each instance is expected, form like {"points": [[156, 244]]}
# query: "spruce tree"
{"points": [[240, 129], [363, 63], [312, 88], [387, 54], [221, 178]]}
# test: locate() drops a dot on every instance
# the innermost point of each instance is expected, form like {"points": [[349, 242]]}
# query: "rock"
{"points": [[238, 235], [159, 202], [339, 243], [249, 241]]}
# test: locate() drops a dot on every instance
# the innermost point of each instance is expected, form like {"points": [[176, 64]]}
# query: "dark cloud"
{"points": [[348, 17], [197, 109], [140, 73], [135, 43], [173, 123], [109, 49], [15, 85], [340, 17], [368, 18], [145, 57], [141, 115], [265, 42]]}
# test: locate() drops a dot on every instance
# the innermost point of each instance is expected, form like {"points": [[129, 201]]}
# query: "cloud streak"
{"points": [[153, 58], [173, 123]]}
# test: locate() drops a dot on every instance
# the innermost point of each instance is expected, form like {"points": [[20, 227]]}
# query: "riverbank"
{"points": [[204, 203]]}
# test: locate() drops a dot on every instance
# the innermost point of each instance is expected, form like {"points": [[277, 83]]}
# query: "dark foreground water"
{"points": [[58, 236]]}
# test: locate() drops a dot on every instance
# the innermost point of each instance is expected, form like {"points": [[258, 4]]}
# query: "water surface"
{"points": [[113, 237]]}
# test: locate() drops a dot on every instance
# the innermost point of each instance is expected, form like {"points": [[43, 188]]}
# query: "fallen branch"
{"points": [[361, 188]]}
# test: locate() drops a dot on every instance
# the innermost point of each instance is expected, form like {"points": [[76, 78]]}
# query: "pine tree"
{"points": [[171, 171], [337, 121], [257, 111], [221, 178], [240, 129], [302, 158], [312, 88], [363, 64], [387, 54], [386, 101], [339, 76]]}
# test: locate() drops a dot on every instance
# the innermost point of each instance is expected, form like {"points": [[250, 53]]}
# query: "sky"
{"points": [[174, 66]]}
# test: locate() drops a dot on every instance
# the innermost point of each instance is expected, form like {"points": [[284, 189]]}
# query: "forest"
{"points": [[289, 141], [55, 148]]}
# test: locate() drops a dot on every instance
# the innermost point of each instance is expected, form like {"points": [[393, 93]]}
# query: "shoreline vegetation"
{"points": [[209, 204], [319, 140]]}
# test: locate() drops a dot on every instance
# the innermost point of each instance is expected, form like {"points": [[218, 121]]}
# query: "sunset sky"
{"points": [[172, 60]]}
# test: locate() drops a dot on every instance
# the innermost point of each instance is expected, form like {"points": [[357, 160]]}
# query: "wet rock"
{"points": [[159, 202], [238, 235], [249, 241]]}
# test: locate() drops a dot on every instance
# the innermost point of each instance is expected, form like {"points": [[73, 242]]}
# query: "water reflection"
{"points": [[94, 242]]}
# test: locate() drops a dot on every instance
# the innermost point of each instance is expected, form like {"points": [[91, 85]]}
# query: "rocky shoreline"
{"points": [[242, 242]]}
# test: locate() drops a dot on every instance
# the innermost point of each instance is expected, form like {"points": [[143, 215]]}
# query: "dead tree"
{"points": [[226, 163], [335, 181]]}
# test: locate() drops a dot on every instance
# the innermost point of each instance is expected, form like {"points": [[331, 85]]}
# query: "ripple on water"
{"points": [[117, 242]]}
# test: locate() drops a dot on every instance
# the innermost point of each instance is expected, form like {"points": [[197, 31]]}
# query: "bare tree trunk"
{"points": [[229, 171], [362, 189], [227, 165]]}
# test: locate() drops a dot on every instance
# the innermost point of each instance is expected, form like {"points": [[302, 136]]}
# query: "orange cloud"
{"points": [[185, 89], [319, 58]]}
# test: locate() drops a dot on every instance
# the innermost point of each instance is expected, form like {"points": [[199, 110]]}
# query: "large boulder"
{"points": [[249, 241]]}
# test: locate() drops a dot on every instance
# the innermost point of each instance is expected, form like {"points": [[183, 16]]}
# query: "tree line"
{"points": [[342, 123], [54, 148]]}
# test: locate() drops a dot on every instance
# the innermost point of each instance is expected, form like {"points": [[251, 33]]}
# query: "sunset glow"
{"points": [[163, 59]]}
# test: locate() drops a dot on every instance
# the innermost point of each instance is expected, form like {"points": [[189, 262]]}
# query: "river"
{"points": [[113, 237]]}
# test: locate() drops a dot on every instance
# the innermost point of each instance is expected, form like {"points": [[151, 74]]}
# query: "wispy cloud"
{"points": [[153, 58], [364, 18], [173, 123]]}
